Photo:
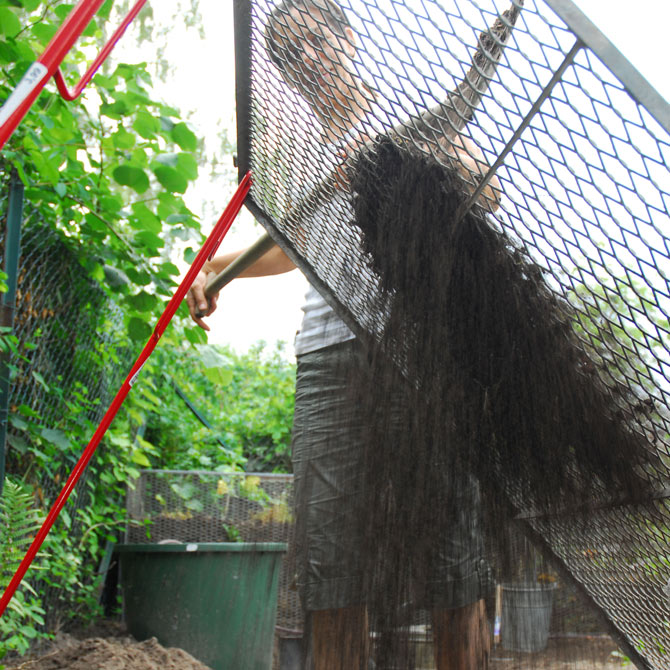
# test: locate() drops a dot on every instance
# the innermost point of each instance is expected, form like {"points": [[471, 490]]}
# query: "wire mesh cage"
{"points": [[205, 506], [562, 144]]}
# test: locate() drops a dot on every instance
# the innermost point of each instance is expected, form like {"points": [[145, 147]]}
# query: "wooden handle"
{"points": [[239, 265]]}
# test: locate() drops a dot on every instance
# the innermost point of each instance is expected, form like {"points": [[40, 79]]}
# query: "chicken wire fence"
{"points": [[63, 321], [579, 145]]}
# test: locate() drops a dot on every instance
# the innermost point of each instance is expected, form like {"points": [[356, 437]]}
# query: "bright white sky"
{"points": [[202, 86]]}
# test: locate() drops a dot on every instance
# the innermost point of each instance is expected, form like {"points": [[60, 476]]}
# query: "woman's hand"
{"points": [[198, 305]]}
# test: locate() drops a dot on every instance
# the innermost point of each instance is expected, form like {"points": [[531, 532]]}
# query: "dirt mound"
{"points": [[115, 653]]}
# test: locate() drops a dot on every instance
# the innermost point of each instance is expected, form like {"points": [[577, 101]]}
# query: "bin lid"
{"points": [[202, 547]]}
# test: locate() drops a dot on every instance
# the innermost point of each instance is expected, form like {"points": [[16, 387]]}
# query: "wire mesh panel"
{"points": [[63, 322], [543, 121], [194, 506]]}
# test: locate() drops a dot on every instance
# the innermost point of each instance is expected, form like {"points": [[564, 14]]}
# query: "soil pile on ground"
{"points": [[113, 652]]}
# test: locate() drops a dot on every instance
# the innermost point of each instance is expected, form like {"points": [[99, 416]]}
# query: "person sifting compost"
{"points": [[343, 531]]}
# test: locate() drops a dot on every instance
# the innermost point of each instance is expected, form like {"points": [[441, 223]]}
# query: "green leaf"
{"points": [[56, 437], [45, 164], [111, 203], [115, 277], [139, 329], [187, 165], [117, 110], [139, 458], [148, 239], [90, 30], [44, 32], [62, 11], [167, 159], [178, 218], [29, 632], [211, 358], [129, 175], [170, 179], [8, 53], [194, 505], [122, 139], [139, 277], [40, 380], [168, 204], [219, 376], [186, 490], [216, 367], [105, 10], [196, 335], [167, 124], [66, 519], [9, 22], [101, 81], [146, 125], [143, 301], [118, 440], [18, 423], [97, 272], [184, 137], [144, 218], [169, 269], [25, 53], [28, 411], [19, 443]]}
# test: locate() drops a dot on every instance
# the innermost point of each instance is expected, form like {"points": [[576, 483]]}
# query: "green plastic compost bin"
{"points": [[217, 601]]}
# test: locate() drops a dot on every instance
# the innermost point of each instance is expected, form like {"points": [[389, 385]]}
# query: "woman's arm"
{"points": [[274, 262]]}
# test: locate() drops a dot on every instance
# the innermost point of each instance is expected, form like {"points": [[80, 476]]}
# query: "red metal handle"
{"points": [[100, 59], [32, 83], [220, 229]]}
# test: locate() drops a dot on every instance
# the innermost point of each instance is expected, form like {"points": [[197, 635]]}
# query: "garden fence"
{"points": [[67, 330]]}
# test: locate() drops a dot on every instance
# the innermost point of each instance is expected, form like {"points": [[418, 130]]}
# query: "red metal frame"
{"points": [[32, 83], [216, 236]]}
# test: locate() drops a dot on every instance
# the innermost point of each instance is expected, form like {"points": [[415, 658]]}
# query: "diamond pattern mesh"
{"points": [[578, 179], [191, 506]]}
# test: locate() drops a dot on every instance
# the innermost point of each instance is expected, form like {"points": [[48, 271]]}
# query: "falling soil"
{"points": [[480, 400], [497, 373]]}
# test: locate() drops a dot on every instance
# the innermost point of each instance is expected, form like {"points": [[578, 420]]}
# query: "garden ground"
{"points": [[108, 646], [578, 653], [105, 646]]}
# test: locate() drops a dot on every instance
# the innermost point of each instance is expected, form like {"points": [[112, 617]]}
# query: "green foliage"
{"points": [[248, 398], [106, 174], [19, 521], [106, 171], [626, 330]]}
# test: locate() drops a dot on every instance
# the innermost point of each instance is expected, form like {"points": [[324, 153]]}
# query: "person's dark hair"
{"points": [[334, 16]]}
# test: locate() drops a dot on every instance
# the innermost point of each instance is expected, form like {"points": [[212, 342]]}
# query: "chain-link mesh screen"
{"points": [[579, 182], [64, 324]]}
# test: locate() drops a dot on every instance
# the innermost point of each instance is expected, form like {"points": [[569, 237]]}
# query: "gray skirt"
{"points": [[332, 536]]}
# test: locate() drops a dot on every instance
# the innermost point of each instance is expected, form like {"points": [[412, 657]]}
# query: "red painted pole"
{"points": [[100, 59], [220, 229], [34, 80]]}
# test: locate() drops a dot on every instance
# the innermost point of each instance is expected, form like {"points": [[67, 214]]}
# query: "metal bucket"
{"points": [[526, 614]]}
